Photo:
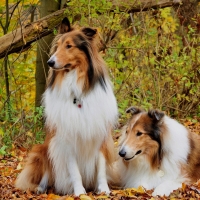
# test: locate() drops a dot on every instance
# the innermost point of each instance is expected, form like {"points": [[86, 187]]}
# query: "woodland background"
{"points": [[153, 56], [152, 49]]}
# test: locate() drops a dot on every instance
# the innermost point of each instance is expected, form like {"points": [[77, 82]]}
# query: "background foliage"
{"points": [[153, 60]]}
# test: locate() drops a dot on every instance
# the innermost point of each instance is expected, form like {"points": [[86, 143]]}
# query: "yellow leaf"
{"points": [[184, 187], [115, 192], [29, 134], [20, 158], [19, 166], [52, 197], [140, 189], [130, 192], [69, 198], [13, 153], [133, 191], [85, 197], [102, 197]]}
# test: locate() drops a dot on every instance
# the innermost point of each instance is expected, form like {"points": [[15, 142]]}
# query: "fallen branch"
{"points": [[143, 5], [20, 39]]}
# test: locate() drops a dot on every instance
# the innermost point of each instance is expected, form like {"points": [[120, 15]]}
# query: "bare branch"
{"points": [[15, 6], [143, 5]]}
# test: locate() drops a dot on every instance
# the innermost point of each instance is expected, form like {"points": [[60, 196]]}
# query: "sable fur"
{"points": [[80, 111], [157, 152]]}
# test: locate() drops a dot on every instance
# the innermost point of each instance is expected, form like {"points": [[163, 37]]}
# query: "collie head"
{"points": [[141, 136], [76, 49]]}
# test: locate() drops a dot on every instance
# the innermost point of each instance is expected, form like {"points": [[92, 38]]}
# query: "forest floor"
{"points": [[10, 167]]}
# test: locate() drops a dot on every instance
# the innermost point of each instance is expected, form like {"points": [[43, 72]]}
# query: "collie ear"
{"points": [[89, 32], [133, 110], [65, 26], [156, 115]]}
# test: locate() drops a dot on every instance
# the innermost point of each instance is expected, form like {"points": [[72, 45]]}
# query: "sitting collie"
{"points": [[80, 111], [157, 153]]}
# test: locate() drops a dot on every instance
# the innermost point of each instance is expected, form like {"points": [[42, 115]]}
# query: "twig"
{"points": [[132, 20]]}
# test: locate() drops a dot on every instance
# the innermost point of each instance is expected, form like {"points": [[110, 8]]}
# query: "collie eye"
{"points": [[138, 133], [68, 46]]}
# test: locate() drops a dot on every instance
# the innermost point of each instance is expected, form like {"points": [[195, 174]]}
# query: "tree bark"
{"points": [[43, 46]]}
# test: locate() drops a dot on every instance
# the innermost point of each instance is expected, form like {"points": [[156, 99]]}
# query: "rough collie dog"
{"points": [[157, 152], [80, 111]]}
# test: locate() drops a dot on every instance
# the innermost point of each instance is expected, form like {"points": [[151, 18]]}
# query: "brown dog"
{"points": [[157, 153], [80, 111]]}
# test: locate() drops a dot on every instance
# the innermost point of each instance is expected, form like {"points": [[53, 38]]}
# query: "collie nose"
{"points": [[51, 63], [122, 152]]}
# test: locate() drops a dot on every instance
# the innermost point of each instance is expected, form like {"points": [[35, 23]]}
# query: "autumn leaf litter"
{"points": [[10, 167]]}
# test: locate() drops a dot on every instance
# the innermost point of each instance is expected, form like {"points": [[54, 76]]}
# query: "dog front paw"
{"points": [[166, 188], [40, 190], [160, 192], [79, 190], [104, 188]]}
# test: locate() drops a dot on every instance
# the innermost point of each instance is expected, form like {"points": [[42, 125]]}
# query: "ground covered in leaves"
{"points": [[11, 165]]}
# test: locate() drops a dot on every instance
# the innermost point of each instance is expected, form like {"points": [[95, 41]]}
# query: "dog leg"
{"points": [[75, 176], [101, 175], [166, 188], [42, 187]]}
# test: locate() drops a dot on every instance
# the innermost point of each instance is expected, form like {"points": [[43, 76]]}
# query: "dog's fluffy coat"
{"points": [[157, 153], [80, 111]]}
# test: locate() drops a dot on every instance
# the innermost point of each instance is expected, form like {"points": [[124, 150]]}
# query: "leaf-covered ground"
{"points": [[11, 165]]}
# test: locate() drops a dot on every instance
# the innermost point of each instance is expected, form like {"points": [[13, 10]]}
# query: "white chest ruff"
{"points": [[75, 114]]}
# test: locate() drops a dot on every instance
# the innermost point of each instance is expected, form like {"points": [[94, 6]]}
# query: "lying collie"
{"points": [[80, 111], [157, 153]]}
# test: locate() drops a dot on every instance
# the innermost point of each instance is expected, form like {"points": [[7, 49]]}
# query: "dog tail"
{"points": [[35, 168]]}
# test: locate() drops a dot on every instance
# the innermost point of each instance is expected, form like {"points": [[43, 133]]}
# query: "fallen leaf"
{"points": [[184, 187], [52, 197], [19, 166], [69, 198], [85, 197]]}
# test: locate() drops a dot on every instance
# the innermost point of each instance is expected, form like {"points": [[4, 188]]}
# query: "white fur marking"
{"points": [[75, 176], [161, 173], [166, 188], [101, 175], [43, 184]]}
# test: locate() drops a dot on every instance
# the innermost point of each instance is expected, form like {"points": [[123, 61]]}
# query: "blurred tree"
{"points": [[5, 27], [47, 7]]}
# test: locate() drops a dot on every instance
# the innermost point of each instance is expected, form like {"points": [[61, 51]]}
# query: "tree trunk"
{"points": [[47, 7]]}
